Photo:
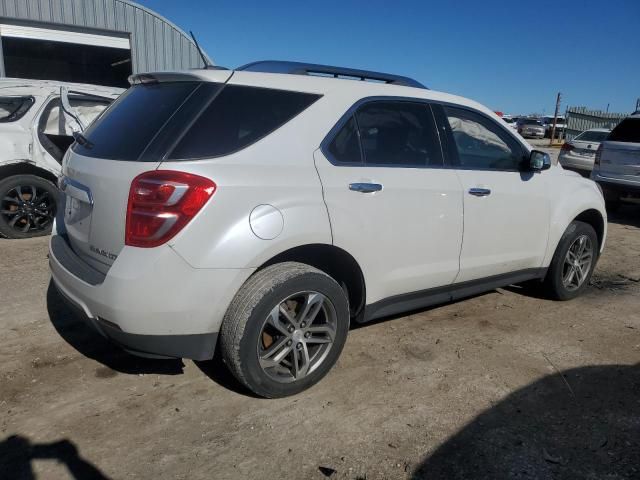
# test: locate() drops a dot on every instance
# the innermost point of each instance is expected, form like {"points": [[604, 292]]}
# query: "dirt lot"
{"points": [[467, 390]]}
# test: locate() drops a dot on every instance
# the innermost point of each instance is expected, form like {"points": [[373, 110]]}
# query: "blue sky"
{"points": [[511, 55]]}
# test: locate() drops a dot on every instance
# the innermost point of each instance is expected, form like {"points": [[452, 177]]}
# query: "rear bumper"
{"points": [[577, 162], [151, 302]]}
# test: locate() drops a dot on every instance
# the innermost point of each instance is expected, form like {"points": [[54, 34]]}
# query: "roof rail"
{"points": [[299, 68]]}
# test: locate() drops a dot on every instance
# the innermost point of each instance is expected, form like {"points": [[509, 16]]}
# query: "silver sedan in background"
{"points": [[579, 153]]}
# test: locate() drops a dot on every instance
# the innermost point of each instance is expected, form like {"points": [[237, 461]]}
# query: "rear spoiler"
{"points": [[214, 74]]}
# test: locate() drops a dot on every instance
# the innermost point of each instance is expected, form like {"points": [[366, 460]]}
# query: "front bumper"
{"points": [[151, 302]]}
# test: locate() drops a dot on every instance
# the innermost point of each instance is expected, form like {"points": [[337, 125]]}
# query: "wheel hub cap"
{"points": [[577, 263]]}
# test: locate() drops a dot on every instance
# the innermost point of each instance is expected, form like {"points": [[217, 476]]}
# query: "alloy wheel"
{"points": [[296, 336], [577, 263], [27, 208]]}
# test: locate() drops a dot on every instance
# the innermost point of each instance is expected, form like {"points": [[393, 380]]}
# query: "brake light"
{"points": [[566, 147], [161, 203], [596, 160]]}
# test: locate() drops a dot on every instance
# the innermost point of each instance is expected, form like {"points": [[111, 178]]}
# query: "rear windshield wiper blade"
{"points": [[82, 140]]}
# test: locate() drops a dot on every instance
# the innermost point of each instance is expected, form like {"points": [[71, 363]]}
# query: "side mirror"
{"points": [[539, 161]]}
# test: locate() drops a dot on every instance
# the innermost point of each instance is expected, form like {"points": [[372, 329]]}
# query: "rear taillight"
{"points": [[567, 147], [161, 203], [596, 160]]}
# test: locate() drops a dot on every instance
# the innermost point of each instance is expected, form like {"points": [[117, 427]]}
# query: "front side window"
{"points": [[480, 143], [14, 108]]}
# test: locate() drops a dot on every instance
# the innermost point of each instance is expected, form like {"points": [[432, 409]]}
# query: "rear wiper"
{"points": [[82, 140]]}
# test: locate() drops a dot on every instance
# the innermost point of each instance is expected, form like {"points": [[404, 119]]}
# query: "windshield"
{"points": [[592, 136], [14, 108]]}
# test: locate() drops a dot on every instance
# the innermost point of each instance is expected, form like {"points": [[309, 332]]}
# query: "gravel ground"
{"points": [[503, 385]]}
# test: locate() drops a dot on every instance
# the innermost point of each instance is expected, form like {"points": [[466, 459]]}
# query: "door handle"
{"points": [[479, 192], [365, 187]]}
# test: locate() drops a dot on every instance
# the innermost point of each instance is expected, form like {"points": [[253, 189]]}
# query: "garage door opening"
{"points": [[47, 54]]}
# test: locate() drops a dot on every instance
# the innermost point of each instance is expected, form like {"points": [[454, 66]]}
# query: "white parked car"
{"points": [[561, 125], [261, 213], [37, 121], [578, 154]]}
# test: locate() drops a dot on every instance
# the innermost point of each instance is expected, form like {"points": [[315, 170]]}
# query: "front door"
{"points": [[506, 207], [391, 203]]}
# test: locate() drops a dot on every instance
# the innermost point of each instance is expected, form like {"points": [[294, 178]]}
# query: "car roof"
{"points": [[352, 90], [21, 86]]}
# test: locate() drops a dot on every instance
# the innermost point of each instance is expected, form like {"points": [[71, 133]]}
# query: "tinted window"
{"points": [[530, 121], [627, 131], [345, 147], [14, 108], [398, 133], [238, 117], [132, 121], [592, 136], [482, 144]]}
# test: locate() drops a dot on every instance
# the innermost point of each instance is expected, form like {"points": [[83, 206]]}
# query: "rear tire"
{"points": [[573, 262], [284, 329], [23, 213]]}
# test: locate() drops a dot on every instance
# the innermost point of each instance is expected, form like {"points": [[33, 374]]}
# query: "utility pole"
{"points": [[555, 119], [638, 105]]}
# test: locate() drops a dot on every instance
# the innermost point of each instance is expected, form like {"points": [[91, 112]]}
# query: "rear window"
{"points": [[237, 117], [531, 122], [14, 108], [627, 131], [592, 136], [133, 120]]}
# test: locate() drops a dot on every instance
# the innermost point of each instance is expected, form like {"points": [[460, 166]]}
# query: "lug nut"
{"points": [[291, 329], [289, 343], [302, 325], [307, 335], [299, 346]]}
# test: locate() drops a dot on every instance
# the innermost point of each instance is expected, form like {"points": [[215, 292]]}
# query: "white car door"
{"points": [[391, 202], [506, 207]]}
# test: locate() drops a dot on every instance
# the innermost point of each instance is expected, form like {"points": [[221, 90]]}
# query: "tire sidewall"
{"points": [[574, 230], [310, 281], [11, 182]]}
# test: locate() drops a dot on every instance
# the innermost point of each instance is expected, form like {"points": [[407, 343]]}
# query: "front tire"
{"points": [[27, 206], [285, 329], [573, 262]]}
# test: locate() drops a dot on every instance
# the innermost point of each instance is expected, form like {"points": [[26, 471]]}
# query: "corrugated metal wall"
{"points": [[580, 119], [156, 43]]}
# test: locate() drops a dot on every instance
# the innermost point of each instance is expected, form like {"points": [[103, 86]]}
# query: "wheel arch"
{"points": [[594, 218], [335, 262], [26, 168]]}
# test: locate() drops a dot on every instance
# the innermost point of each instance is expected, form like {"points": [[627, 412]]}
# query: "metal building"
{"points": [[89, 41]]}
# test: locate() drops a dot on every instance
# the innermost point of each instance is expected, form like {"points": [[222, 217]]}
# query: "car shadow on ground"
{"points": [[583, 424], [627, 214], [88, 342], [17, 454]]}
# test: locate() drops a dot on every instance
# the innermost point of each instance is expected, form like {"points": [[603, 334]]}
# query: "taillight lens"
{"points": [[567, 147], [161, 203], [596, 160]]}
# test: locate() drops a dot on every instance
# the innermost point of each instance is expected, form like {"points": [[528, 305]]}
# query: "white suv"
{"points": [[263, 212]]}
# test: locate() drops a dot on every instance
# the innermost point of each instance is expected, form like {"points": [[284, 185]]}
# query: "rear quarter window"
{"points": [[627, 131], [237, 117], [14, 108]]}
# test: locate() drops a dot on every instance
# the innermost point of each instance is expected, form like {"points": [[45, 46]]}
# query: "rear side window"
{"points": [[627, 131], [389, 133], [133, 120], [237, 117], [14, 108]]}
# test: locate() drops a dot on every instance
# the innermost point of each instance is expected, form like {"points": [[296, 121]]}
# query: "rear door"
{"points": [[391, 202], [620, 157], [129, 139], [506, 209]]}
